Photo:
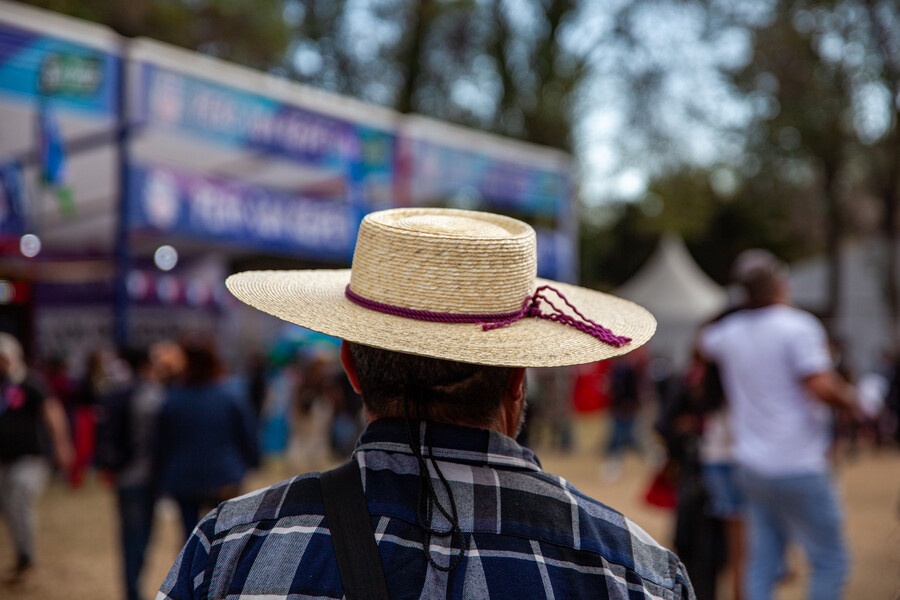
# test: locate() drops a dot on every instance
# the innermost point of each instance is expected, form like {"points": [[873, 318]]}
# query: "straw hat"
{"points": [[451, 284]]}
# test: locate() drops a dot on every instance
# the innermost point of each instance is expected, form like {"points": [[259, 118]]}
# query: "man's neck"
{"points": [[494, 425]]}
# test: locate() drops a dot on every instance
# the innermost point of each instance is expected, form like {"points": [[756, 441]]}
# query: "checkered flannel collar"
{"points": [[454, 443]]}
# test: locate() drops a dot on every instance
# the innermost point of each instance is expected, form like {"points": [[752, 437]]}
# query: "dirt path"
{"points": [[78, 554]]}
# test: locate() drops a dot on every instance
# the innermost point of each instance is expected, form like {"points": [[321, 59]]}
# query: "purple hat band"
{"points": [[531, 308]]}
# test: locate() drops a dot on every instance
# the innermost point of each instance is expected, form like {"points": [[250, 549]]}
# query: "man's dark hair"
{"points": [[436, 389], [761, 274], [761, 287], [202, 364]]}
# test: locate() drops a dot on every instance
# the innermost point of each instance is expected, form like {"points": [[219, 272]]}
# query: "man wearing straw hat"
{"points": [[441, 314]]}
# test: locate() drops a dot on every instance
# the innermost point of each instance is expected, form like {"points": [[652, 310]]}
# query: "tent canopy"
{"points": [[673, 287]]}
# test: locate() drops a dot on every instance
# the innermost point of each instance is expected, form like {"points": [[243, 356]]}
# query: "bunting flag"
{"points": [[12, 199], [52, 149], [53, 160]]}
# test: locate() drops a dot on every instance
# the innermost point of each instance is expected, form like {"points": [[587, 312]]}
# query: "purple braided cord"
{"points": [[425, 315], [530, 308]]}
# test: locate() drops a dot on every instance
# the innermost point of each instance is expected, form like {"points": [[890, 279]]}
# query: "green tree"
{"points": [[477, 63], [802, 135]]}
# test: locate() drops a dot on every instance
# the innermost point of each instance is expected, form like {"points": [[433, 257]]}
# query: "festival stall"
{"points": [[142, 174]]}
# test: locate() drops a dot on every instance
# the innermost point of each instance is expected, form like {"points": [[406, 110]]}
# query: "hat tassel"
{"points": [[532, 308]]}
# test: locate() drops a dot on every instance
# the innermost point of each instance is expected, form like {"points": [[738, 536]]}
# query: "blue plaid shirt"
{"points": [[528, 534]]}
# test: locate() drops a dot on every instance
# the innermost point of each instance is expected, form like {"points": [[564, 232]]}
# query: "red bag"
{"points": [[662, 492]]}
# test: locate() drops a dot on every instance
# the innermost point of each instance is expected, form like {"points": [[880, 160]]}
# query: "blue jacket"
{"points": [[206, 439]]}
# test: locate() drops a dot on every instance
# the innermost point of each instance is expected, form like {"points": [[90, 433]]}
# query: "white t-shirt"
{"points": [[763, 357], [716, 443]]}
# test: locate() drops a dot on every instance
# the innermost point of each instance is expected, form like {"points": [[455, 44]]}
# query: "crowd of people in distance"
{"points": [[170, 421], [164, 421]]}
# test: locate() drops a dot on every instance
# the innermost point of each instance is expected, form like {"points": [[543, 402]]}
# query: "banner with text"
{"points": [[220, 113], [74, 76], [168, 202]]}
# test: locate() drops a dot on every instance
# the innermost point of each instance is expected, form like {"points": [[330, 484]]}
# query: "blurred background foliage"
{"points": [[735, 123]]}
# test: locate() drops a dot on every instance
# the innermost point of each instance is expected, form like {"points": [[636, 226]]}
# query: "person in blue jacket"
{"points": [[206, 436]]}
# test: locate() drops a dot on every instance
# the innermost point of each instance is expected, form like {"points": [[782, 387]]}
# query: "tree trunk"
{"points": [[890, 198], [890, 266], [833, 231], [421, 14]]}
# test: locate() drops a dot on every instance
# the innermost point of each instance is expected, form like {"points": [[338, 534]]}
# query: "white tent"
{"points": [[678, 293]]}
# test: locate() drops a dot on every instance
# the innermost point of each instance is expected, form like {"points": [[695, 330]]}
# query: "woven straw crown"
{"points": [[451, 262]]}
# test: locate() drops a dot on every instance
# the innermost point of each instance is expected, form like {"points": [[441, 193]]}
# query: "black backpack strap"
{"points": [[351, 534]]}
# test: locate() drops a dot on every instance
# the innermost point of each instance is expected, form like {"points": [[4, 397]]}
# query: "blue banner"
{"points": [[228, 115], [171, 203], [76, 77]]}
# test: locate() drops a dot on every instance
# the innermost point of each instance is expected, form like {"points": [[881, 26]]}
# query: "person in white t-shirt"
{"points": [[781, 387]]}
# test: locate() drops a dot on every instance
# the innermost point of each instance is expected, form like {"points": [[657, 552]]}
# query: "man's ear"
{"points": [[513, 403], [516, 385], [349, 367]]}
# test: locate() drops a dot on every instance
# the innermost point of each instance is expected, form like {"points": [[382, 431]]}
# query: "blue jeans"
{"points": [[798, 507], [136, 523], [622, 436]]}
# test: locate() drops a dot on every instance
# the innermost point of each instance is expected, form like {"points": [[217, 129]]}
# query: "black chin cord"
{"points": [[426, 488]]}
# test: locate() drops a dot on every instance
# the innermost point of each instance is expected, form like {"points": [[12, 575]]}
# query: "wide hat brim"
{"points": [[315, 299]]}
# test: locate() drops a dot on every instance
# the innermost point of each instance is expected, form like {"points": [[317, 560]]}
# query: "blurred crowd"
{"points": [[165, 421], [171, 421]]}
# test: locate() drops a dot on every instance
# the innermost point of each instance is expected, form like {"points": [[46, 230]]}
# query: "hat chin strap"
{"points": [[426, 488], [531, 308]]}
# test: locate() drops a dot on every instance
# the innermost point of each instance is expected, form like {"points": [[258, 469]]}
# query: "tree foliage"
{"points": [[498, 65], [820, 153]]}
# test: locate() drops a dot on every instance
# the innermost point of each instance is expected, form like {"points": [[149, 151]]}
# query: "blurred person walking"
{"points": [[257, 382], [631, 388], [60, 384], [312, 413], [126, 432], [780, 382], [94, 384], [206, 436], [28, 416], [699, 536]]}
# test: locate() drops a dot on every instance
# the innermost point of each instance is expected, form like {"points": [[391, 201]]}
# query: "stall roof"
{"points": [[456, 136], [277, 88], [342, 107]]}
